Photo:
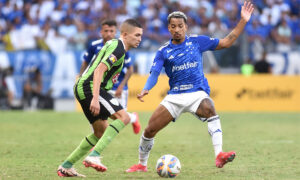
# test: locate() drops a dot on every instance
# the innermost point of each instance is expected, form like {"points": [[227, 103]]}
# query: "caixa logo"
{"points": [[272, 93]]}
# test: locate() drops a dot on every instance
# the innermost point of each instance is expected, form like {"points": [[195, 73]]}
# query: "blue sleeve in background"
{"points": [[152, 80]]}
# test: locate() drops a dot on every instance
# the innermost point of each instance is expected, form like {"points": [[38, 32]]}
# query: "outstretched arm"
{"points": [[151, 81], [84, 65], [246, 12]]}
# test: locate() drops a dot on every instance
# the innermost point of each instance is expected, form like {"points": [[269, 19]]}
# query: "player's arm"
{"points": [[84, 65], [125, 80], [246, 12], [87, 57], [151, 82], [154, 73], [97, 79]]}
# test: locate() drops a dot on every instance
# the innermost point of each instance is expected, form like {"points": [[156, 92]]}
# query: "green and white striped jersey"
{"points": [[112, 55]]}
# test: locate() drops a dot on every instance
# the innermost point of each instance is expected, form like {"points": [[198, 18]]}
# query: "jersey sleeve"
{"points": [[158, 62], [88, 55], [113, 54], [127, 60], [207, 43]]}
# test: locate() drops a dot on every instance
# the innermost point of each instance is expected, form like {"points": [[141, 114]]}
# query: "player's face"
{"points": [[177, 27], [108, 32], [134, 38]]}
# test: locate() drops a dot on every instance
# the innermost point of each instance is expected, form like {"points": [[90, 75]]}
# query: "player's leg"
{"points": [[134, 117], [66, 169], [93, 159], [207, 110], [159, 119], [109, 107]]}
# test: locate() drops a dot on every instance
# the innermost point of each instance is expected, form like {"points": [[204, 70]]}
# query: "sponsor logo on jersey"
{"points": [[188, 43], [186, 87], [171, 57], [114, 101], [115, 78], [112, 58], [185, 66], [169, 50]]}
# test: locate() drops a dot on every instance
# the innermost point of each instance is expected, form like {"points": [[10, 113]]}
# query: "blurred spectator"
{"points": [[6, 95], [32, 86], [66, 24], [257, 35], [262, 66], [282, 35], [80, 38], [67, 29], [33, 96]]}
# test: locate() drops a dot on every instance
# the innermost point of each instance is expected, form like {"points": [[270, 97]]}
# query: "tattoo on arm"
{"points": [[231, 36]]}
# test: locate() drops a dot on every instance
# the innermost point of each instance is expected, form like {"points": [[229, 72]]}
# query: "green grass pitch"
{"points": [[33, 144]]}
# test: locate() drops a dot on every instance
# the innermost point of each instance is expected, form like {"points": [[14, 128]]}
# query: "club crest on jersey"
{"points": [[112, 58], [115, 78]]}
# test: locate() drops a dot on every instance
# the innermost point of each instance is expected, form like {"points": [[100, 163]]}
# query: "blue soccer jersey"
{"points": [[183, 63], [92, 52]]}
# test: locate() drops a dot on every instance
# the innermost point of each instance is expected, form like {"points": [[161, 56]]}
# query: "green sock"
{"points": [[111, 131], [86, 144]]}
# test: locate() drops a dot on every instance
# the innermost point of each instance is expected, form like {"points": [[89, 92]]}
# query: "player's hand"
{"points": [[247, 10], [118, 92], [95, 107], [142, 94]]}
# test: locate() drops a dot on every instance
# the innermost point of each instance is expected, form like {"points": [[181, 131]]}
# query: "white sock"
{"points": [[132, 117], [145, 147], [215, 131]]}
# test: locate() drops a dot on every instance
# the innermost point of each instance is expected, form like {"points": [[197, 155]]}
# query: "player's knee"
{"points": [[125, 118], [98, 134], [206, 109], [150, 132]]}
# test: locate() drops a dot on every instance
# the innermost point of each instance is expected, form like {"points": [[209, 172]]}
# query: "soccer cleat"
{"points": [[137, 168], [94, 162], [224, 157], [68, 172], [136, 125]]}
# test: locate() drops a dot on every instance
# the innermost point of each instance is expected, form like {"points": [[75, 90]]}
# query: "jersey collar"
{"points": [[178, 45], [123, 43]]}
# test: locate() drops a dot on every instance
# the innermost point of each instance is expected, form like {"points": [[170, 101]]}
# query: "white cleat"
{"points": [[94, 162], [68, 172]]}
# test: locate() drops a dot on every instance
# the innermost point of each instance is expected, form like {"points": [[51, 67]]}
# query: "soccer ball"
{"points": [[168, 166]]}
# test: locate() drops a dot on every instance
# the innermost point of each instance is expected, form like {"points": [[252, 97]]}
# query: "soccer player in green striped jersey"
{"points": [[97, 104]]}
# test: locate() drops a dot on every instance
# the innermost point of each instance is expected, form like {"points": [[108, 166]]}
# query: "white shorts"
{"points": [[185, 102], [124, 98]]}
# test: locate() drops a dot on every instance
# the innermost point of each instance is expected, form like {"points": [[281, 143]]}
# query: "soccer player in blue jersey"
{"points": [[120, 88], [189, 90]]}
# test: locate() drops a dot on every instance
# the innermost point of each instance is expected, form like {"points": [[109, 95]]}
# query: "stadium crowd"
{"points": [[58, 25]]}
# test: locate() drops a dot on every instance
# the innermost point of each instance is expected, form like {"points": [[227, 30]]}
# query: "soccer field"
{"points": [[33, 144]]}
